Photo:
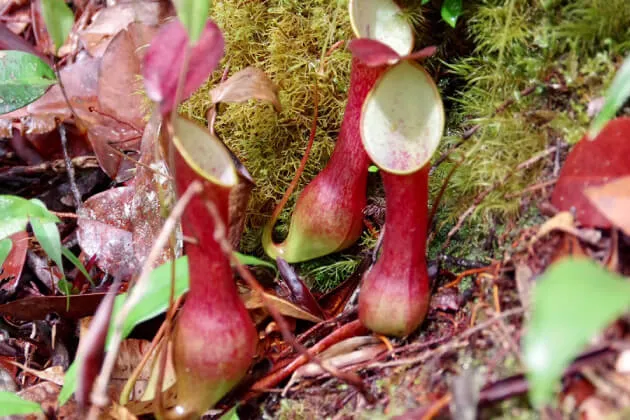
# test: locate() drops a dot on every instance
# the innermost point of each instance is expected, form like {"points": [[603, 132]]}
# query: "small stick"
{"points": [[69, 168]]}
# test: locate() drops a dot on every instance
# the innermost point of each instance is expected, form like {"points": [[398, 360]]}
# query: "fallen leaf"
{"points": [[120, 92], [613, 201], [246, 84], [253, 300], [593, 163], [13, 265], [239, 201], [29, 309], [165, 58], [110, 21], [105, 230], [52, 374]]}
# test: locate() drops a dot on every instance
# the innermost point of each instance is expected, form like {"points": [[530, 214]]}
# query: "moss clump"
{"points": [[568, 50], [287, 39]]}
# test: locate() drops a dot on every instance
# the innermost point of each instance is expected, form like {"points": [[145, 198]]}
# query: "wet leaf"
{"points": [[616, 96], [249, 83], [59, 20], [593, 163], [572, 301], [372, 52], [613, 201], [6, 245], [451, 11], [105, 230], [165, 58], [23, 78], [153, 196], [193, 15], [11, 404]]}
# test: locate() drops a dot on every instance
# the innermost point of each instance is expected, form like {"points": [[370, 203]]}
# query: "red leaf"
{"points": [[164, 60], [13, 265], [593, 163], [373, 53]]}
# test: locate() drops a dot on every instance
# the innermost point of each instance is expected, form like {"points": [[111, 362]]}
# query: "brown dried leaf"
{"points": [[253, 300], [120, 89], [46, 393], [249, 83], [110, 21], [38, 307], [105, 230], [613, 201]]}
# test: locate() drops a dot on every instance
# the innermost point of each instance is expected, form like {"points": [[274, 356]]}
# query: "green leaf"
{"points": [[77, 263], [154, 303], [254, 261], [15, 212], [24, 77], [12, 404], [451, 10], [156, 300], [573, 300], [193, 14], [425, 2], [373, 169], [48, 236], [59, 20], [5, 248], [69, 383], [616, 96]]}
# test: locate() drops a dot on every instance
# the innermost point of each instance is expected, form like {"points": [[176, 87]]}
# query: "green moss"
{"points": [[324, 274], [519, 44]]}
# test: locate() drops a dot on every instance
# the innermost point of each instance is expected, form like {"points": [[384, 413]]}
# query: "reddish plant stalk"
{"points": [[395, 296], [328, 215], [214, 339]]}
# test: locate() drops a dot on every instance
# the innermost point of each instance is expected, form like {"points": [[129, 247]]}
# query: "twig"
{"points": [[226, 247], [56, 167], [437, 406], [531, 188], [99, 395], [69, 168], [454, 343], [524, 165]]}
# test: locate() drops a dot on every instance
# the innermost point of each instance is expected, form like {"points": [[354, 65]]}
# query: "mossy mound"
{"points": [[287, 40]]}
